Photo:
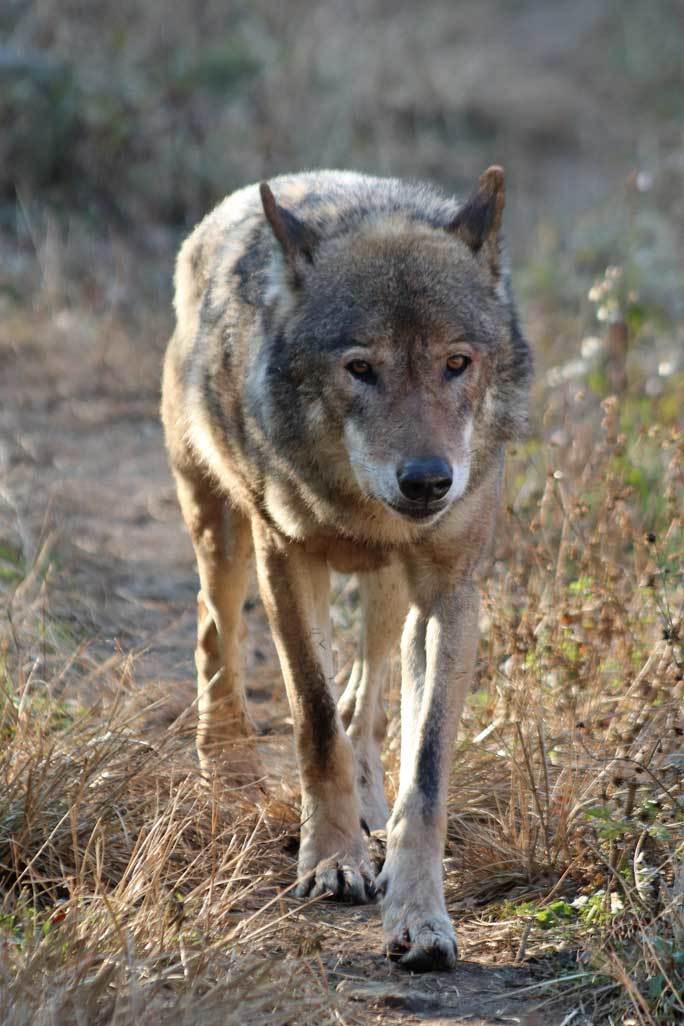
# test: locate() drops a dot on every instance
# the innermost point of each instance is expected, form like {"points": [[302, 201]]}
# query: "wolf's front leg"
{"points": [[295, 590], [438, 653]]}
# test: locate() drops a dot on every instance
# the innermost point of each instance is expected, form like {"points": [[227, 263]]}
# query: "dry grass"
{"points": [[134, 892], [131, 889]]}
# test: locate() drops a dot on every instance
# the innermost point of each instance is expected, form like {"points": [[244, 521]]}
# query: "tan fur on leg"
{"points": [[222, 540], [384, 601]]}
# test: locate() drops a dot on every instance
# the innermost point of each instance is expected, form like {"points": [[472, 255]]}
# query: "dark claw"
{"points": [[304, 886], [396, 949], [343, 884], [433, 959]]}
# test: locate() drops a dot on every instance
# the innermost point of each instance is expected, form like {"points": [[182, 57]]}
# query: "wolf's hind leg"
{"points": [[384, 603], [222, 540]]}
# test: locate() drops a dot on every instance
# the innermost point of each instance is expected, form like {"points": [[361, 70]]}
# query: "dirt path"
{"points": [[81, 454]]}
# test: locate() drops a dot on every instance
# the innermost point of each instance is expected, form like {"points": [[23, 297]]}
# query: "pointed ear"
{"points": [[297, 240], [478, 222]]}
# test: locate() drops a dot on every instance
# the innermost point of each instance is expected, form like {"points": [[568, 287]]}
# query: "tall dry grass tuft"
{"points": [[134, 891]]}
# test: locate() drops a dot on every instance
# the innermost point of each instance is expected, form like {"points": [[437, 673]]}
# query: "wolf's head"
{"points": [[401, 339]]}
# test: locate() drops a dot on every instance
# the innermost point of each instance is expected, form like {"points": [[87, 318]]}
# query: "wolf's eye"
{"points": [[455, 365], [362, 370]]}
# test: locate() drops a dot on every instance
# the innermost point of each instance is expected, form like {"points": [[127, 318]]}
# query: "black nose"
{"points": [[424, 480]]}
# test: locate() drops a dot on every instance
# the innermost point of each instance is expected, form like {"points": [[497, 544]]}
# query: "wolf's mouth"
{"points": [[418, 511]]}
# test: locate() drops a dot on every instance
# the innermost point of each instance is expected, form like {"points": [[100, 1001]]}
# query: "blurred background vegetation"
{"points": [[133, 119]]}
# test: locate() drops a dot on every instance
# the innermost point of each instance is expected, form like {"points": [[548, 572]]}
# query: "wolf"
{"points": [[346, 370]]}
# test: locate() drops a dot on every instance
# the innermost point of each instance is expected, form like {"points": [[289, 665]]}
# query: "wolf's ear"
{"points": [[478, 222], [297, 240]]}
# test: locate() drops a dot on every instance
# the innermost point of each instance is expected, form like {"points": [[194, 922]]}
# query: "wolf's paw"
{"points": [[418, 932], [424, 946], [334, 864], [339, 879]]}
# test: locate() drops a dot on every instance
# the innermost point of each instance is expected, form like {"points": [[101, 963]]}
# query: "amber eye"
{"points": [[456, 365], [362, 370]]}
